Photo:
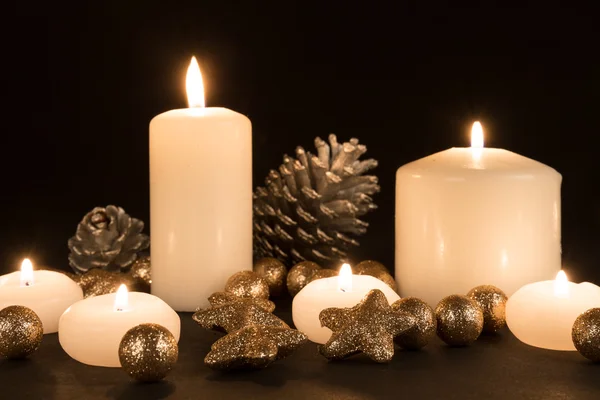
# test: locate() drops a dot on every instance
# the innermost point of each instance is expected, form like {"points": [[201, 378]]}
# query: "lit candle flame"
{"points": [[26, 273], [477, 135], [345, 278], [122, 298], [194, 85], [561, 284]]}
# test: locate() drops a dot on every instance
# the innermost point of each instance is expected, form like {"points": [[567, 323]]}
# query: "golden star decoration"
{"points": [[236, 314], [221, 298], [253, 347], [368, 327]]}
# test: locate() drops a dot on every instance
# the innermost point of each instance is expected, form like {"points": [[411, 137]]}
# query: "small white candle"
{"points": [[542, 314], [200, 198], [472, 216], [91, 330], [343, 291], [47, 293]]}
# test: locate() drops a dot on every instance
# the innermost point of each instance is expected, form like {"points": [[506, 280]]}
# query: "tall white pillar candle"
{"points": [[200, 199], [472, 216], [47, 293]]}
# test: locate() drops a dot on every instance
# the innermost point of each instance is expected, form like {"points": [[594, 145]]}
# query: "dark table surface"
{"points": [[496, 367]]}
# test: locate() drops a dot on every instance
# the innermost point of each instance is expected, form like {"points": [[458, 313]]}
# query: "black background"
{"points": [[82, 81]]}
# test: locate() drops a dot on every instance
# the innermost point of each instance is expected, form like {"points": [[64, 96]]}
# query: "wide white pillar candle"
{"points": [[47, 293], [91, 330], [343, 291], [472, 216], [542, 314], [200, 199]]}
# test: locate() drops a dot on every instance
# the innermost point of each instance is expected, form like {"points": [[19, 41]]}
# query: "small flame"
{"points": [[194, 85], [561, 284], [122, 298], [26, 273], [345, 278], [477, 135]]}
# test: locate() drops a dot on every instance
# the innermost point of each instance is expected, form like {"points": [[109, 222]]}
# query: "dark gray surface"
{"points": [[498, 367]]}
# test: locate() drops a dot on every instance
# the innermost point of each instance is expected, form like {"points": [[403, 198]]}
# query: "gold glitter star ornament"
{"points": [[369, 327], [253, 347]]}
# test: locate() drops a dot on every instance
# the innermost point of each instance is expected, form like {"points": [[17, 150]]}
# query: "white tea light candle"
{"points": [[343, 291], [91, 330], [542, 314], [47, 293], [200, 199], [472, 216]]}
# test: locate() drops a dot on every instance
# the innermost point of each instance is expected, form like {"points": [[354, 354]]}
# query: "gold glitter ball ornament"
{"points": [[253, 347], [97, 282], [376, 270], [299, 276], [274, 272], [21, 332], [141, 272], [459, 320], [586, 334], [148, 352], [247, 284], [323, 273], [493, 304], [368, 327], [425, 323]]}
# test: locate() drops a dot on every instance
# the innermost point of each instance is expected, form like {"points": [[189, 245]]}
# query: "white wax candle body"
{"points": [[468, 216], [325, 293], [540, 318], [49, 295], [200, 203], [91, 330]]}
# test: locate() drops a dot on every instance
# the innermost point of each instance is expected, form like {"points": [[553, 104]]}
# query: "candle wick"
{"points": [[27, 283]]}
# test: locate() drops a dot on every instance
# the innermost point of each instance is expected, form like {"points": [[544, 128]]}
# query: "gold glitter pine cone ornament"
{"points": [[493, 304], [425, 327], [21, 332], [310, 207], [586, 334], [274, 272], [107, 238], [459, 320], [148, 352]]}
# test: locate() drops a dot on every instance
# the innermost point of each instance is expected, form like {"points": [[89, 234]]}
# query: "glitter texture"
{"points": [[141, 272], [230, 317], [253, 347], [425, 323], [220, 298], [97, 282], [376, 270], [322, 273], [299, 276], [273, 272], [493, 304], [586, 334], [21, 332], [247, 284], [459, 320], [369, 327], [148, 352]]}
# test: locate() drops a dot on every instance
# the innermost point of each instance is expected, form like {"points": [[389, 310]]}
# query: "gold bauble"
{"points": [[21, 332], [148, 352], [97, 282], [586, 334], [425, 323], [459, 320], [247, 284], [322, 273], [273, 272], [493, 304], [300, 275], [141, 272], [376, 270]]}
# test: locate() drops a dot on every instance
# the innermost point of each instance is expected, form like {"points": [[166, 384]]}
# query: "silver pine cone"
{"points": [[107, 238], [309, 209]]}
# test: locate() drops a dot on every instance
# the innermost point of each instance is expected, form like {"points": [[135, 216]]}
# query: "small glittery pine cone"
{"points": [[310, 208], [107, 238]]}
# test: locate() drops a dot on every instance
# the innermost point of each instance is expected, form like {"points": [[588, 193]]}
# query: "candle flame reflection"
{"points": [[26, 273], [345, 278], [122, 298], [194, 85], [561, 284]]}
